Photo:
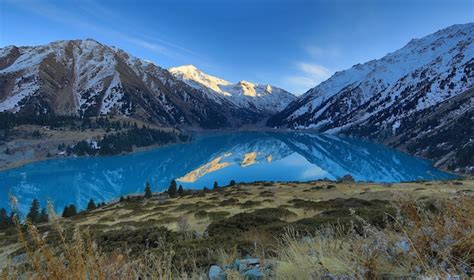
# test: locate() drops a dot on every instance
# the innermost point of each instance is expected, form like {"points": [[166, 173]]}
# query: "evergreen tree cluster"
{"points": [[148, 193], [6, 220], [105, 123], [91, 205], [9, 120], [69, 211], [37, 215], [173, 189], [124, 141]]}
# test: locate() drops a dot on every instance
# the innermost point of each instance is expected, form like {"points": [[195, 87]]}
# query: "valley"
{"points": [[417, 99], [235, 141]]}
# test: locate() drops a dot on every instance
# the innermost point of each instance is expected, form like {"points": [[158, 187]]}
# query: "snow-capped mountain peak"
{"points": [[86, 78], [421, 74], [243, 94], [418, 98], [196, 78]]}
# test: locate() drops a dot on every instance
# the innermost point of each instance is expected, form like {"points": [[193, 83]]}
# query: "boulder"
{"points": [[253, 274], [217, 273]]}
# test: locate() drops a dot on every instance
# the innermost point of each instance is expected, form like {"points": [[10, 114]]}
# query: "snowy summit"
{"points": [[264, 98]]}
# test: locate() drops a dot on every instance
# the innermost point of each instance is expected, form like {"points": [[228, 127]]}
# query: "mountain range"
{"points": [[86, 78], [418, 99], [266, 99]]}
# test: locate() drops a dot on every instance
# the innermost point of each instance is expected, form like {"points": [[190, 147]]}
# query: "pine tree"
{"points": [[172, 190], [69, 211], [5, 220], [66, 212], [44, 218], [232, 183], [34, 213], [148, 190], [180, 190], [91, 205], [72, 210], [121, 199], [216, 186]]}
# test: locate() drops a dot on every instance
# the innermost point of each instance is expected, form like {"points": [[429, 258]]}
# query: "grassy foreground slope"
{"points": [[304, 230]]}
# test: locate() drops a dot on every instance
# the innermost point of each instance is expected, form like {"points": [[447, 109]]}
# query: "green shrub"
{"points": [[240, 223], [250, 204], [137, 240], [228, 202], [278, 213]]}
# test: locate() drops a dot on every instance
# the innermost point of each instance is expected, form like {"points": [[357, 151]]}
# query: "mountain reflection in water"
{"points": [[243, 157]]}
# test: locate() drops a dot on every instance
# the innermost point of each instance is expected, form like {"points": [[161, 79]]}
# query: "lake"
{"points": [[243, 157]]}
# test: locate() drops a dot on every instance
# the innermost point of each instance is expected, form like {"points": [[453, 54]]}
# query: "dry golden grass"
{"points": [[115, 215], [420, 243], [80, 258], [430, 236]]}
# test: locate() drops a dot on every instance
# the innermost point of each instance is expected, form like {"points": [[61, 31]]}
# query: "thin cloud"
{"points": [[314, 70], [320, 52], [310, 75], [95, 10], [149, 40]]}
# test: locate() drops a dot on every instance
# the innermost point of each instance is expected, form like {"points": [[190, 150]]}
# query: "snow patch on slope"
{"points": [[112, 96], [423, 73]]}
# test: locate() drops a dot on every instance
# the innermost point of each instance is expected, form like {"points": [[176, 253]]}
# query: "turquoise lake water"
{"points": [[243, 157]]}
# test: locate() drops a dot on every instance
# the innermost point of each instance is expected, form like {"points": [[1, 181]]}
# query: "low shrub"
{"points": [[230, 201]]}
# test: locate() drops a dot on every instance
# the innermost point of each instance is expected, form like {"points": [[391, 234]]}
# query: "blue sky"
{"points": [[293, 44]]}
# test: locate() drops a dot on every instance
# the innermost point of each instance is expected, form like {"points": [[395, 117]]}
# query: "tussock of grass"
{"points": [[418, 242], [250, 204], [213, 216]]}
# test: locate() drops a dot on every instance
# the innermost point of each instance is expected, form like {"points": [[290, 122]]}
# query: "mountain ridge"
{"points": [[86, 78], [263, 97], [381, 99], [388, 100]]}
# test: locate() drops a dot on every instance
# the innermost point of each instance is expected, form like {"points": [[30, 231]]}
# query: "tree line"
{"points": [[38, 215], [124, 141], [10, 120]]}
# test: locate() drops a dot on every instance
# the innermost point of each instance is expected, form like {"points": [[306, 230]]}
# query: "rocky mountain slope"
{"points": [[444, 133], [86, 78], [400, 99], [265, 99]]}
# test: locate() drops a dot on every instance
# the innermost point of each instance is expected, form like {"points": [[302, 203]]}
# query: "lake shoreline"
{"points": [[44, 159], [194, 132], [24, 149], [244, 157]]}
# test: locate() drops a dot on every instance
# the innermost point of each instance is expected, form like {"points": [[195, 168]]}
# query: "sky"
{"points": [[293, 44]]}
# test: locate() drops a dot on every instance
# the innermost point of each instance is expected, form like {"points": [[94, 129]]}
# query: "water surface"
{"points": [[244, 157]]}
